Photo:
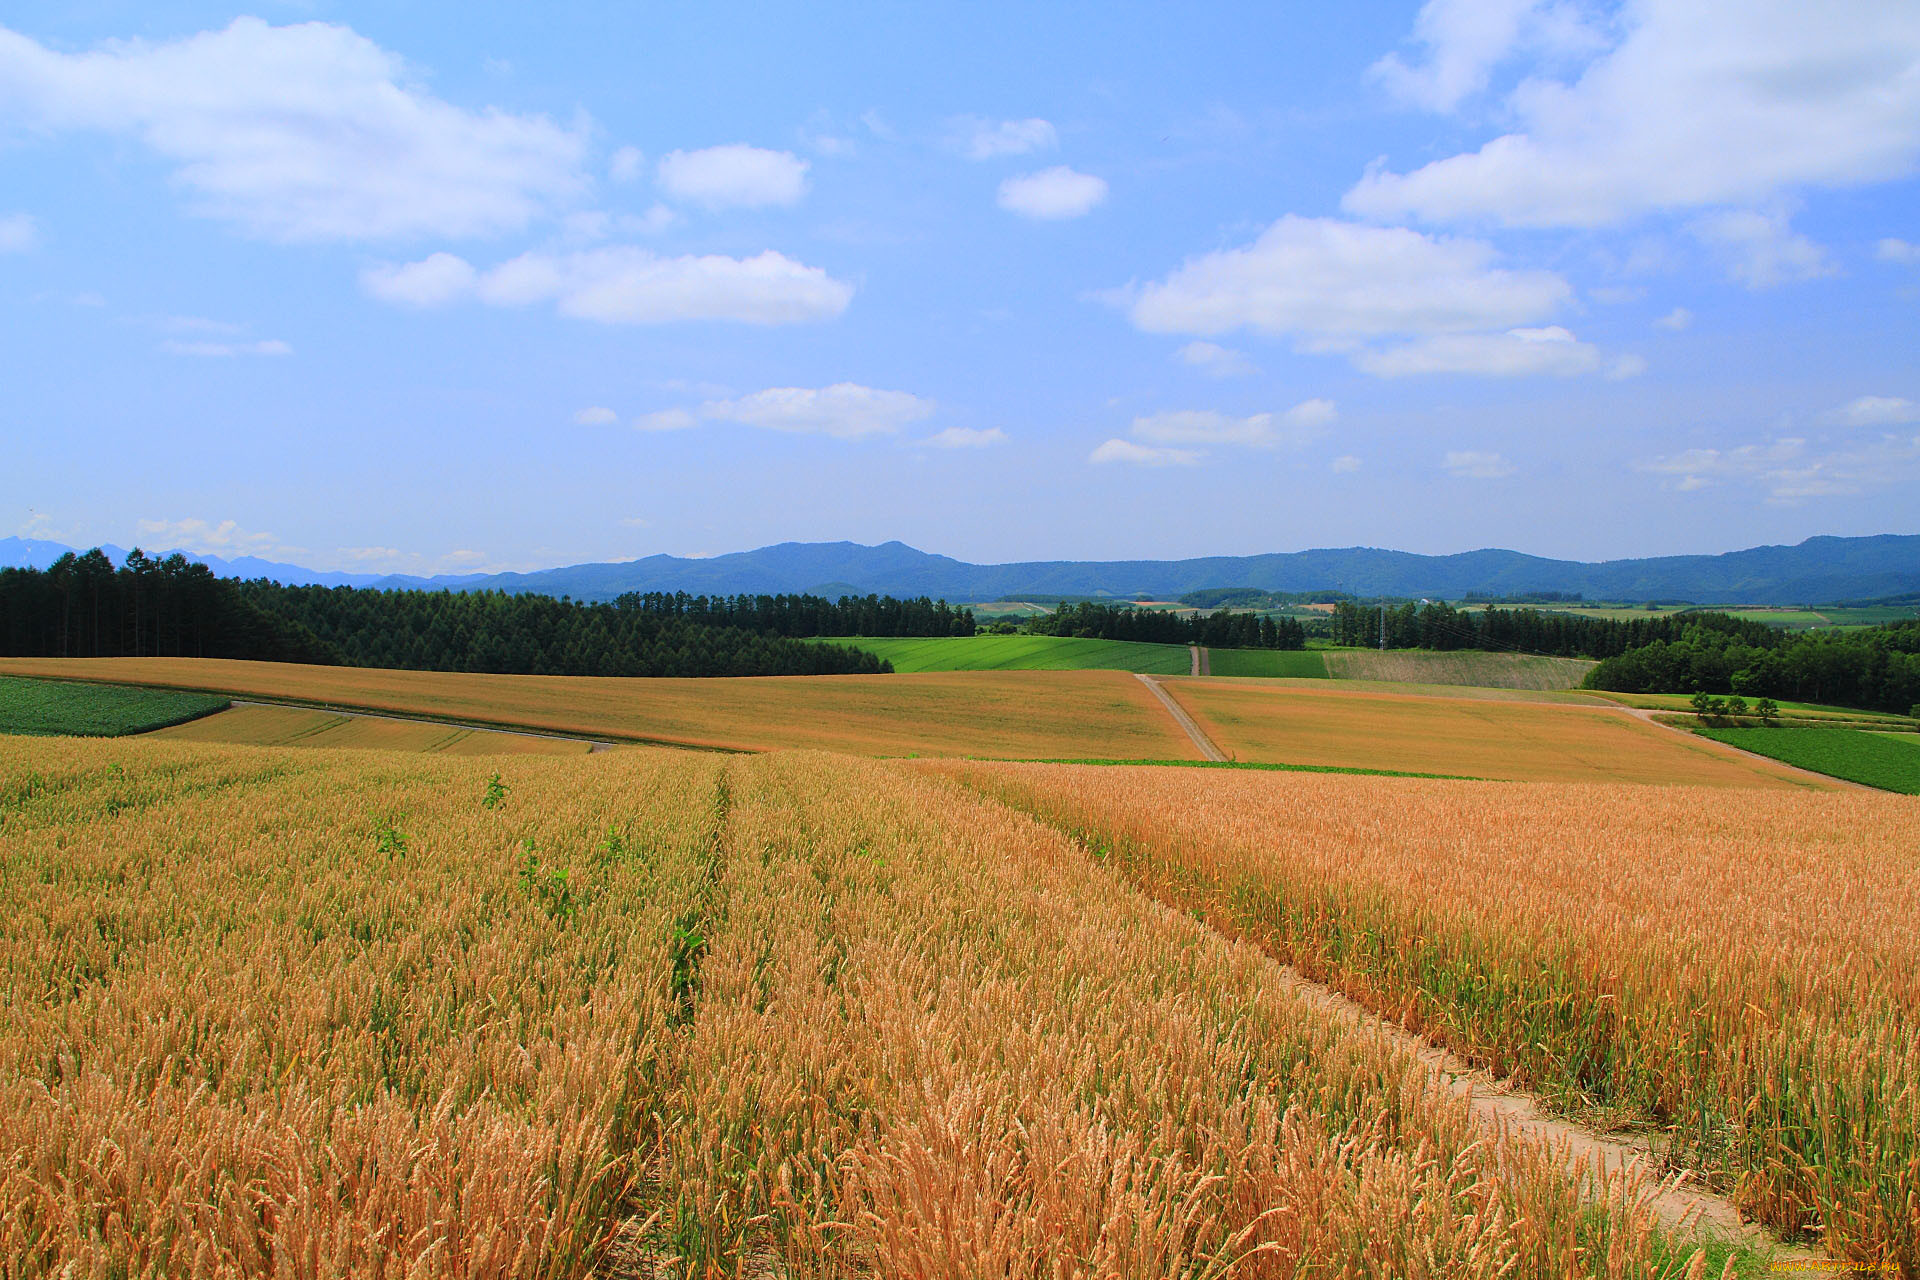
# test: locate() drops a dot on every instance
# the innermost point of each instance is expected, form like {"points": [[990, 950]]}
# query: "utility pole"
{"points": [[1383, 627]]}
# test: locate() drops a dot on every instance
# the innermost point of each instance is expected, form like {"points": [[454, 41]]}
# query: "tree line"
{"points": [[1435, 625], [1215, 630], [1875, 667], [83, 607]]}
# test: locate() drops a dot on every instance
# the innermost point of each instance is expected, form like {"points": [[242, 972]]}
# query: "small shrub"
{"points": [[496, 793]]}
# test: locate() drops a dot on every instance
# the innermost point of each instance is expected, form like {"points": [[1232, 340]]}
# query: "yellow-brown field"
{"points": [[268, 726], [1740, 970], [1020, 714], [1461, 737], [316, 1013]]}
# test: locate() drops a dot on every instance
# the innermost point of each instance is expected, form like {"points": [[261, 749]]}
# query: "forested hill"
{"points": [[1818, 571]]}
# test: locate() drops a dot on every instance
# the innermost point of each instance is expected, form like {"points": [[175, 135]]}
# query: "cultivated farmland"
{"points": [[53, 707], [1740, 971], [645, 1011], [275, 726], [1024, 653], [1018, 714], [1890, 761], [1472, 737], [1487, 670]]}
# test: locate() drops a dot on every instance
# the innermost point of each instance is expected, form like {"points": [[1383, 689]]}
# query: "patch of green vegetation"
{"points": [[1305, 664], [63, 708], [1024, 653], [1873, 759]]}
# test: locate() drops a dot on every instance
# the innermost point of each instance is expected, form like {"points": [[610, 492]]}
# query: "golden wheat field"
{"points": [[1740, 971], [323, 1013], [1017, 714], [274, 726], [1462, 737]]}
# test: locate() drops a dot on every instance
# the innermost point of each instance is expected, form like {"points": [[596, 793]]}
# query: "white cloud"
{"points": [[1873, 411], [1141, 455], [596, 415], [201, 537], [267, 347], [1790, 471], [1699, 103], [845, 410], [665, 420], [1217, 361], [621, 284], [1760, 250], [1676, 319], [1892, 250], [1627, 366], [433, 281], [1345, 464], [1296, 426], [988, 139], [625, 164], [1052, 194], [1466, 39], [18, 233], [966, 438], [301, 133], [1469, 464], [735, 176], [1331, 284], [1517, 353]]}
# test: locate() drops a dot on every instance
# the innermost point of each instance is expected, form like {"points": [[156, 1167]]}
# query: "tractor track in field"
{"points": [[1595, 1157], [1208, 751], [593, 744]]}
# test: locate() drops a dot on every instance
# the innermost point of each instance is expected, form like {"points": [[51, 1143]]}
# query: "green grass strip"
{"points": [[1871, 759]]}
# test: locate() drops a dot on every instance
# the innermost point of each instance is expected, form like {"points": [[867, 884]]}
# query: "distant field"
{"points": [[1471, 667], [1023, 653], [1459, 736], [1306, 664], [1017, 714], [47, 707], [1873, 759], [311, 727], [1067, 653]]}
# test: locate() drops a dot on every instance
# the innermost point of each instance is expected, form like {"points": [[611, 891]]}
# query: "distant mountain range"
{"points": [[1819, 570]]}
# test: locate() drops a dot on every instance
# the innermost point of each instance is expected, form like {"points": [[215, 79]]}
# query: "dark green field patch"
{"points": [[1872, 759], [54, 707], [1296, 663]]}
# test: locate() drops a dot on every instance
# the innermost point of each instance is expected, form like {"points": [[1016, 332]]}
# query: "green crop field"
{"points": [[1874, 759], [1298, 663], [1025, 653], [52, 707]]}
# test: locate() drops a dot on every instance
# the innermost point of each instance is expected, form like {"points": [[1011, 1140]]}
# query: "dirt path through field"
{"points": [[1598, 1157], [1185, 721], [1652, 718]]}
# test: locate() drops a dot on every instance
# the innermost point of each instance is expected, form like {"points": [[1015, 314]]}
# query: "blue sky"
{"points": [[421, 289]]}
